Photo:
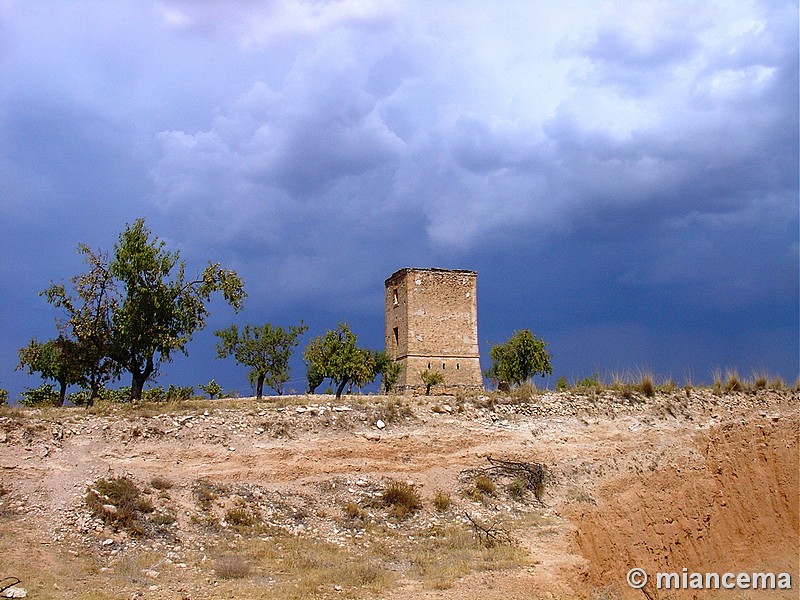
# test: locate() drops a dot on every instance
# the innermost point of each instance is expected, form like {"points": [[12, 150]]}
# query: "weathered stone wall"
{"points": [[432, 323]]}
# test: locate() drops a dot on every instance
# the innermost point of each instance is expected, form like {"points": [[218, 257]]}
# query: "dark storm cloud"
{"points": [[624, 177]]}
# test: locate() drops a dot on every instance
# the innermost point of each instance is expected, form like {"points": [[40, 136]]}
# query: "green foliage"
{"points": [[212, 388], [389, 370], [562, 385], [44, 395], [56, 360], [519, 359], [140, 308], [3, 397], [430, 378], [88, 322], [265, 348], [337, 356], [314, 378], [590, 382]]}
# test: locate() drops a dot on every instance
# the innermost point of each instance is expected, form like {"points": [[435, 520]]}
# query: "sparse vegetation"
{"points": [[212, 388], [401, 499], [522, 357], [231, 566], [119, 503], [160, 483], [430, 379], [240, 517], [441, 500], [484, 485]]}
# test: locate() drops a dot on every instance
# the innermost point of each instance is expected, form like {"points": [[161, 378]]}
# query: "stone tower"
{"points": [[432, 323]]}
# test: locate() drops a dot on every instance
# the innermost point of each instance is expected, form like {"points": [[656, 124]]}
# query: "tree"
{"points": [[519, 359], [212, 388], [266, 349], [89, 311], [336, 356], [55, 359], [430, 379], [314, 378], [140, 308], [388, 369]]}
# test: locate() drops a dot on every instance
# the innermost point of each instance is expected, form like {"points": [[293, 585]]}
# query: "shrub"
{"points": [[732, 381], [212, 388], [160, 483], [561, 384], [231, 566], [401, 499], [353, 511], [591, 382], [240, 516], [647, 386], [517, 488], [79, 398], [441, 500], [118, 502], [178, 393], [3, 397], [43, 395], [484, 485], [205, 493], [122, 394]]}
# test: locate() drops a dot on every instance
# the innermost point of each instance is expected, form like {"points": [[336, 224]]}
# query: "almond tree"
{"points": [[519, 359], [265, 348], [55, 359], [140, 308], [338, 357]]}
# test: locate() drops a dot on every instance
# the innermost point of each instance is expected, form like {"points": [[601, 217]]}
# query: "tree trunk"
{"points": [[94, 395], [137, 385], [139, 378], [428, 389], [260, 386], [340, 389], [62, 393]]}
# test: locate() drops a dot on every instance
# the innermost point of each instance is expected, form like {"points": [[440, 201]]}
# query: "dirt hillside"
{"points": [[376, 497]]}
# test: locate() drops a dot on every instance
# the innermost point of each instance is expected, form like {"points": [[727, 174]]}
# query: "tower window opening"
{"points": [[394, 297], [442, 366], [396, 332]]}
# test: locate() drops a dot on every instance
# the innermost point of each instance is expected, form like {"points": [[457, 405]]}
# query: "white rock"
{"points": [[15, 592], [380, 424]]}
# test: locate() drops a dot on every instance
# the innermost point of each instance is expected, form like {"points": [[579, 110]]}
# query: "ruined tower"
{"points": [[432, 323]]}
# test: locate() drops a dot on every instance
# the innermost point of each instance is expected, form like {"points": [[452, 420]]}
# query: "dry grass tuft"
{"points": [[441, 500], [160, 483], [118, 502], [484, 485], [232, 566], [401, 499]]}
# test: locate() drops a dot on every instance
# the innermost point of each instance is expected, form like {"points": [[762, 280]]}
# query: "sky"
{"points": [[622, 174]]}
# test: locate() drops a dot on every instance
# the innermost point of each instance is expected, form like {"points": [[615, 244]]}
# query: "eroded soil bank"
{"points": [[726, 502]]}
